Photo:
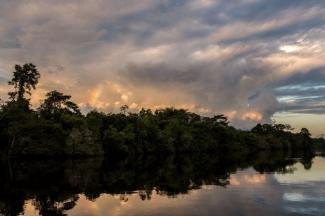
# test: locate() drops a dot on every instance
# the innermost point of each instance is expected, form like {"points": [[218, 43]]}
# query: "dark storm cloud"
{"points": [[303, 92], [213, 85], [275, 33], [315, 76], [167, 14], [266, 9], [225, 56]]}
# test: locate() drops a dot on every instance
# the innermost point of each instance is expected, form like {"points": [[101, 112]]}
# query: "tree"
{"points": [[124, 109], [57, 103], [25, 78], [220, 120], [283, 127], [16, 113], [305, 132]]}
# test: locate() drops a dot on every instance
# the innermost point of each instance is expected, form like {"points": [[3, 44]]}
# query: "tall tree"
{"points": [[56, 103], [16, 113], [25, 78]]}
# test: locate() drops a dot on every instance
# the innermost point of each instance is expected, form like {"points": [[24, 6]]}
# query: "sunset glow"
{"points": [[203, 56]]}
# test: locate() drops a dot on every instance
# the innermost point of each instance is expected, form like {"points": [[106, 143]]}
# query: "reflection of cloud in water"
{"points": [[297, 197], [247, 177], [30, 209], [316, 174], [255, 193], [87, 207], [305, 211], [249, 193], [304, 189], [234, 181], [255, 179]]}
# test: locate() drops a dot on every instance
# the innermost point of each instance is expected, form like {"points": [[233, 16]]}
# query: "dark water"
{"points": [[260, 184]]}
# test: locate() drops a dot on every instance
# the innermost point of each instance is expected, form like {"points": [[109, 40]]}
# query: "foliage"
{"points": [[58, 128], [25, 78], [56, 104]]}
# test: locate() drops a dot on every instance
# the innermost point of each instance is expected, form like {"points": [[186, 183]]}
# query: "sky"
{"points": [[253, 60]]}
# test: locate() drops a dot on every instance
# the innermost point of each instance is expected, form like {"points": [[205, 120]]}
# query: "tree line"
{"points": [[58, 128]]}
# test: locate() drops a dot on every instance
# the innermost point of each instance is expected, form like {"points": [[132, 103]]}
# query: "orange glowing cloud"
{"points": [[94, 94], [231, 115], [252, 116]]}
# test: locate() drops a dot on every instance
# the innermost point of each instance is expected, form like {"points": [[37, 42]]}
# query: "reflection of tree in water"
{"points": [[146, 193], [55, 187], [124, 197], [54, 206], [11, 204], [11, 199], [307, 161], [278, 162]]}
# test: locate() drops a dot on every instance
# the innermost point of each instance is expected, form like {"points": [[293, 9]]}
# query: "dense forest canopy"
{"points": [[58, 128]]}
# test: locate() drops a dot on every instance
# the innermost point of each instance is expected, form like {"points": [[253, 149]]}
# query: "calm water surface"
{"points": [[249, 193], [187, 186]]}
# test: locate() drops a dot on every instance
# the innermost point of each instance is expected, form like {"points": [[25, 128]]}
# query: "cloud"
{"points": [[303, 92], [233, 57], [238, 87]]}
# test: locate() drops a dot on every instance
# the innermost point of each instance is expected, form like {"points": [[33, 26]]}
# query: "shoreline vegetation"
{"points": [[57, 128]]}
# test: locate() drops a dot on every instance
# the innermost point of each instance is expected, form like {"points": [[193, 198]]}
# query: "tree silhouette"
{"points": [[124, 109], [25, 78], [305, 131], [59, 128], [56, 103]]}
